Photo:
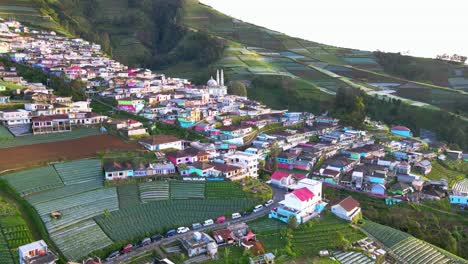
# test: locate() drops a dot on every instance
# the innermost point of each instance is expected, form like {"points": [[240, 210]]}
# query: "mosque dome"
{"points": [[212, 82]]}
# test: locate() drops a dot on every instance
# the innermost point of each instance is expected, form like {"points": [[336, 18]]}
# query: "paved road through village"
{"points": [[278, 195]]}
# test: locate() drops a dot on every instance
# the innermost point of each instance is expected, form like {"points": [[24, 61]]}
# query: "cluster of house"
{"points": [[188, 159], [45, 112]]}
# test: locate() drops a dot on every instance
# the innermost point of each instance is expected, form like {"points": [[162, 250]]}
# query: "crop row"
{"points": [[78, 241], [389, 236], [185, 190], [154, 191], [77, 208], [63, 192], [414, 250], [80, 171], [36, 180], [157, 216]]}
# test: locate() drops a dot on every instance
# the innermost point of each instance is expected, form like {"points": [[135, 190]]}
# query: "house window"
{"points": [[109, 174], [120, 173]]}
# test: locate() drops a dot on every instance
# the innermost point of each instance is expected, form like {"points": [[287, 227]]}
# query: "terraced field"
{"points": [[81, 171], [77, 208], [63, 192], [128, 195], [153, 191], [409, 248], [161, 215], [224, 190], [352, 257], [77, 241], [440, 172], [187, 190], [32, 181], [5, 254], [320, 235]]}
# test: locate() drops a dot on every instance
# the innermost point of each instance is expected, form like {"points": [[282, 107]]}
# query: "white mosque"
{"points": [[217, 87]]}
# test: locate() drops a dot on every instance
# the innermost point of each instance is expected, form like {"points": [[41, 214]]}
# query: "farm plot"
{"points": [[352, 257], [161, 215], [5, 254], [17, 235], [128, 195], [387, 235], [154, 191], [77, 208], [23, 156], [36, 180], [80, 171], [63, 192], [224, 190], [312, 237], [78, 241], [187, 190], [409, 248]]}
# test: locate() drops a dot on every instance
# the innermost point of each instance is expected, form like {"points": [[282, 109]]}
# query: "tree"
{"points": [[340, 241], [237, 88], [292, 222]]}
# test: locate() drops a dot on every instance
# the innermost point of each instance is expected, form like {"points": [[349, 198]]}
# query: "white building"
{"points": [[10, 117], [347, 209], [36, 252], [161, 142], [216, 87], [303, 203], [248, 162]]}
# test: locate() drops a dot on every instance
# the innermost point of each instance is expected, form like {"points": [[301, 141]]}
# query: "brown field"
{"points": [[38, 154]]}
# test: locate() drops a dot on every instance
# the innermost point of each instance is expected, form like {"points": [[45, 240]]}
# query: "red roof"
{"points": [[400, 128], [303, 194], [278, 175], [349, 203]]}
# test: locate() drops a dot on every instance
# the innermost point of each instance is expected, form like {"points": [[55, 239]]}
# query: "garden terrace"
{"points": [[128, 195], [80, 171], [387, 235], [5, 254], [79, 240], [187, 190], [353, 257], [161, 215], [77, 208], [224, 190], [63, 192], [154, 191], [409, 248], [317, 235], [33, 181]]}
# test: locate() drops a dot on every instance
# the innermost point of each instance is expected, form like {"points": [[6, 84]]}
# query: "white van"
{"points": [[258, 208], [208, 222], [236, 215]]}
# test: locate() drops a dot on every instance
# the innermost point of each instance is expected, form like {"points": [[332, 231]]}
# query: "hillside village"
{"points": [[295, 154]]}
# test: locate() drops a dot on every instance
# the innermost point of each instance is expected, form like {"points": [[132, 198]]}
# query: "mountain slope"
{"points": [[189, 39]]}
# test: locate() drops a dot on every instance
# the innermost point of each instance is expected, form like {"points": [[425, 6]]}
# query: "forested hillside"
{"points": [[187, 39]]}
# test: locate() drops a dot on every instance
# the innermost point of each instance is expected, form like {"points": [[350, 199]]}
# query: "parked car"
{"points": [[220, 219], [145, 241], [182, 230], [171, 233], [196, 226], [268, 203], [236, 215], [113, 255], [258, 208], [127, 248], [246, 213], [208, 222], [156, 237]]}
